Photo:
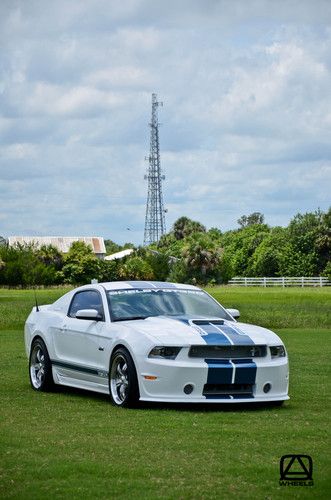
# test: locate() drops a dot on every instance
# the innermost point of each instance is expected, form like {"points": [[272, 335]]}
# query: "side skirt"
{"points": [[80, 377]]}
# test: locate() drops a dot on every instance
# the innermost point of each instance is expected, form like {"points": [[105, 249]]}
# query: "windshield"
{"points": [[140, 304]]}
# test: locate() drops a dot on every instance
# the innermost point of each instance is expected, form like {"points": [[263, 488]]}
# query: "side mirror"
{"points": [[234, 313], [91, 314]]}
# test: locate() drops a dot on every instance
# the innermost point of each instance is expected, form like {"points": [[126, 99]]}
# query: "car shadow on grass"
{"points": [[183, 407]]}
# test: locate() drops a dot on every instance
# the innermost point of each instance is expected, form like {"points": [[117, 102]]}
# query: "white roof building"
{"points": [[62, 243], [120, 255]]}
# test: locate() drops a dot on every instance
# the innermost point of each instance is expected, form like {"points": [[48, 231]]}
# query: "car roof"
{"points": [[63, 302], [119, 285]]}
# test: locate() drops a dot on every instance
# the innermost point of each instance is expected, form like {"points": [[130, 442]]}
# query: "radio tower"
{"points": [[154, 220]]}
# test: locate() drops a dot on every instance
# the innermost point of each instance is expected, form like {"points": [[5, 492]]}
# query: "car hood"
{"points": [[188, 330]]}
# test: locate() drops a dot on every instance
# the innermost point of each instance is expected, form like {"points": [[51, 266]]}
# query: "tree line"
{"points": [[187, 253]]}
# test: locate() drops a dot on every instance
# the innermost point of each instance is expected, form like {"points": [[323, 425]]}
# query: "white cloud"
{"points": [[19, 152], [121, 76], [74, 101], [245, 126]]}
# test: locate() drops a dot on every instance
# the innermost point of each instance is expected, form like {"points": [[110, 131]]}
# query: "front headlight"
{"points": [[164, 352], [277, 351]]}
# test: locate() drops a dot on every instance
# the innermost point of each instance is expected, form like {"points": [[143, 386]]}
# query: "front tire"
{"points": [[40, 367], [123, 382]]}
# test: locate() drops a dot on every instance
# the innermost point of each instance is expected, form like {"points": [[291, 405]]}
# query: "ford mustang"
{"points": [[153, 341]]}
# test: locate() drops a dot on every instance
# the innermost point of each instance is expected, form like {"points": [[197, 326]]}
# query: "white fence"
{"points": [[283, 281]]}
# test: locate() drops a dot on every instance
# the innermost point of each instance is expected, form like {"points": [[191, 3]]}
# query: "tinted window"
{"points": [[89, 299], [126, 304]]}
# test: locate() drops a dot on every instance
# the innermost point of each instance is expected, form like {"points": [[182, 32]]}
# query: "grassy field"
{"points": [[71, 444]]}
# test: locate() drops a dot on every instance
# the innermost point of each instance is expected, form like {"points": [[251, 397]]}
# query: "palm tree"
{"points": [[201, 254], [184, 227]]}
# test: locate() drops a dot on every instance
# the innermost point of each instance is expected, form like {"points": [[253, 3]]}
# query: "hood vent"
{"points": [[204, 322]]}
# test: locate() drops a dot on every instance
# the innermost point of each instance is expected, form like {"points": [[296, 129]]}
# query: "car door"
{"points": [[82, 346]]}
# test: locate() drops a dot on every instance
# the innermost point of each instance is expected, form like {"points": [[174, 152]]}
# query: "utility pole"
{"points": [[155, 219]]}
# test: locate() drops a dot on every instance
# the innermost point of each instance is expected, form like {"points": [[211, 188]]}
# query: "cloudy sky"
{"points": [[246, 121]]}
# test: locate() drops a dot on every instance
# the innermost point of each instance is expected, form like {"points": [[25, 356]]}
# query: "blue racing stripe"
{"points": [[221, 333], [245, 371], [236, 336], [217, 396], [219, 371], [163, 285], [209, 332], [146, 285], [141, 285], [212, 335], [242, 361], [243, 396]]}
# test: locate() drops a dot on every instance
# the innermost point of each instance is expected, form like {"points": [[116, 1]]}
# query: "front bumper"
{"points": [[229, 380]]}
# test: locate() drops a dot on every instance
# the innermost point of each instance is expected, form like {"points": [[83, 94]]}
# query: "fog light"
{"points": [[188, 388], [266, 388]]}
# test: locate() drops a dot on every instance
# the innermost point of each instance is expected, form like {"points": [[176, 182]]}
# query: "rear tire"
{"points": [[123, 382], [40, 367]]}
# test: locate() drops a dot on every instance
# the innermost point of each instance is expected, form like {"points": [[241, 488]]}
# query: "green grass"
{"points": [[278, 307], [15, 305], [71, 444]]}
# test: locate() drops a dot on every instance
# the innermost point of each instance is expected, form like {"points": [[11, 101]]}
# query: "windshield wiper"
{"points": [[130, 318]]}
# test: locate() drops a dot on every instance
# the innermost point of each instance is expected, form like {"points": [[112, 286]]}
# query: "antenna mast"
{"points": [[154, 220]]}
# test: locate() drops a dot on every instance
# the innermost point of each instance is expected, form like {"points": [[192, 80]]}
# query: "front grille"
{"points": [[227, 389], [227, 351]]}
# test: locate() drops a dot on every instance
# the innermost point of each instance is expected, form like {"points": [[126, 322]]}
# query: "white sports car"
{"points": [[153, 341]]}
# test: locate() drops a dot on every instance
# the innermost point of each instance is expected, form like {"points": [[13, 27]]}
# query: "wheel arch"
{"points": [[41, 377], [122, 345], [37, 336]]}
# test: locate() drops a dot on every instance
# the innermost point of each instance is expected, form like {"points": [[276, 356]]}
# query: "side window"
{"points": [[89, 299]]}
